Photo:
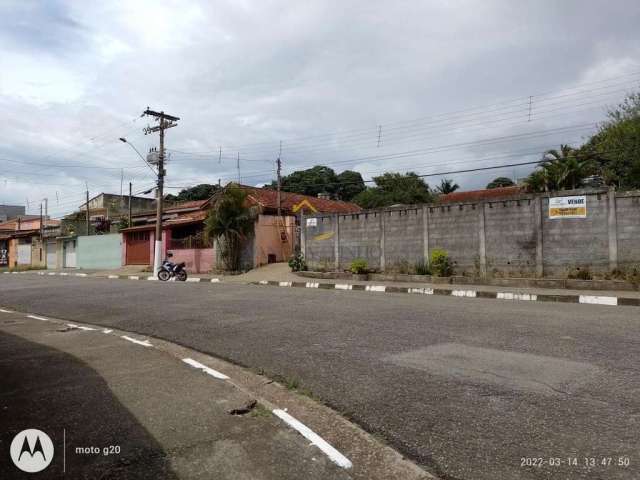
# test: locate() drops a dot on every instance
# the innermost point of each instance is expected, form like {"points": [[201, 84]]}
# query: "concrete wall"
{"points": [[511, 237], [99, 251]]}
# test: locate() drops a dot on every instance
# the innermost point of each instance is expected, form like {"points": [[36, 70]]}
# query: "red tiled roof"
{"points": [[186, 205], [477, 195], [184, 219], [292, 202]]}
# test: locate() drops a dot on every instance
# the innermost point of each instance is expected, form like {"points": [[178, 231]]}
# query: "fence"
{"points": [[511, 237]]}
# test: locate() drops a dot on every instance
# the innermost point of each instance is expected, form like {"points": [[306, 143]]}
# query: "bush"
{"points": [[580, 274], [440, 264], [358, 266], [422, 268], [297, 263]]}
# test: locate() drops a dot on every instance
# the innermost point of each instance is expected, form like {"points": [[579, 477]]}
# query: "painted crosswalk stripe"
{"points": [[36, 317], [205, 369], [334, 455]]}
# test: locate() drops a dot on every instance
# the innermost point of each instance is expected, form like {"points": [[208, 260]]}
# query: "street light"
{"points": [[124, 140]]}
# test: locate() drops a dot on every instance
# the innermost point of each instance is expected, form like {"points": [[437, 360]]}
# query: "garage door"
{"points": [[69, 250], [138, 248], [24, 254], [52, 259]]}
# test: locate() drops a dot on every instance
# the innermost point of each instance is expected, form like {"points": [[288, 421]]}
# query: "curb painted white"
{"points": [[205, 369], [113, 276], [51, 273], [215, 280], [598, 300], [152, 278], [285, 284], [5, 311], [36, 317], [375, 288], [80, 274], [516, 296], [263, 282], [134, 277], [144, 343], [463, 293], [107, 330], [63, 274], [343, 286], [194, 279], [312, 285], [334, 455]]}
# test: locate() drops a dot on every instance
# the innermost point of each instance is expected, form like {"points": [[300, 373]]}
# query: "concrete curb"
{"points": [[140, 276], [463, 293]]}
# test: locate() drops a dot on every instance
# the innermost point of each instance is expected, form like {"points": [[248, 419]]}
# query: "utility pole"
{"points": [[238, 167], [87, 220], [41, 224], [279, 170], [164, 121], [129, 224], [46, 212]]}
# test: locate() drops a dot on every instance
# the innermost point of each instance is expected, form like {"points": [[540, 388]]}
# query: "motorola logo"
{"points": [[31, 450]]}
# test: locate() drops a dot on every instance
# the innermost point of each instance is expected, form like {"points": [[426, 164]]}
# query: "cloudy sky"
{"points": [[433, 86]]}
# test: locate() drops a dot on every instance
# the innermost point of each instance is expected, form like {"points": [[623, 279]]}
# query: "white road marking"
{"points": [[516, 296], [312, 285], [5, 311], [107, 330], [284, 284], [599, 300], [205, 369], [375, 288], [36, 317], [215, 280], [73, 325], [334, 455], [343, 286], [144, 343]]}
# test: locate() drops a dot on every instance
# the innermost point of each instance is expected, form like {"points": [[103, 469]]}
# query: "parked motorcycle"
{"points": [[169, 270]]}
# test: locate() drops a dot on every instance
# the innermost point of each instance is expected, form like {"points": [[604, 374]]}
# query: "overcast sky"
{"points": [[369, 85]]}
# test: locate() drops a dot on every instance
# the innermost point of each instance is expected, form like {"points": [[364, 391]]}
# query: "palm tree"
{"points": [[563, 169], [447, 186], [230, 223]]}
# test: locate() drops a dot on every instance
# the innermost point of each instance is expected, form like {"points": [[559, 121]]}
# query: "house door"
{"points": [[138, 248], [69, 254], [52, 261], [24, 254]]}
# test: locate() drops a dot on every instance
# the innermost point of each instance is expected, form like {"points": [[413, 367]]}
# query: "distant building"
{"points": [[8, 212]]}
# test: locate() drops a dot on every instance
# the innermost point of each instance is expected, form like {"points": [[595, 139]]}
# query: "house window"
{"points": [[187, 237]]}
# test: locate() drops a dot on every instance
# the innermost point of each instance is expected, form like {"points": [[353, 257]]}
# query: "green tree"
{"points": [[616, 146], [199, 192], [564, 169], [350, 184], [395, 188], [230, 222], [500, 182], [447, 186], [315, 180]]}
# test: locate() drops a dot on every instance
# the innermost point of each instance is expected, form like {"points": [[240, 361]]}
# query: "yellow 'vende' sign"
{"points": [[568, 207]]}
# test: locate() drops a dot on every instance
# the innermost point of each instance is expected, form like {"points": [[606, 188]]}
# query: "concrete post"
{"points": [[482, 241], [382, 240], [303, 235], [425, 233], [538, 215], [613, 230], [336, 242]]}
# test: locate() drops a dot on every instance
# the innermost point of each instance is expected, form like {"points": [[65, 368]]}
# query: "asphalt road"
{"points": [[469, 388]]}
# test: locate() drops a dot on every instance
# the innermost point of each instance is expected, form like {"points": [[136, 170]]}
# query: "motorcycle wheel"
{"points": [[182, 276], [164, 275]]}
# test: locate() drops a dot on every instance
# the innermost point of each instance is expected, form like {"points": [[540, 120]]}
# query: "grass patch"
{"points": [[260, 411]]}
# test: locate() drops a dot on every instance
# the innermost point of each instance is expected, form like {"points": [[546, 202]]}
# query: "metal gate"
{"points": [[52, 260], [138, 248], [24, 254], [69, 253]]}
